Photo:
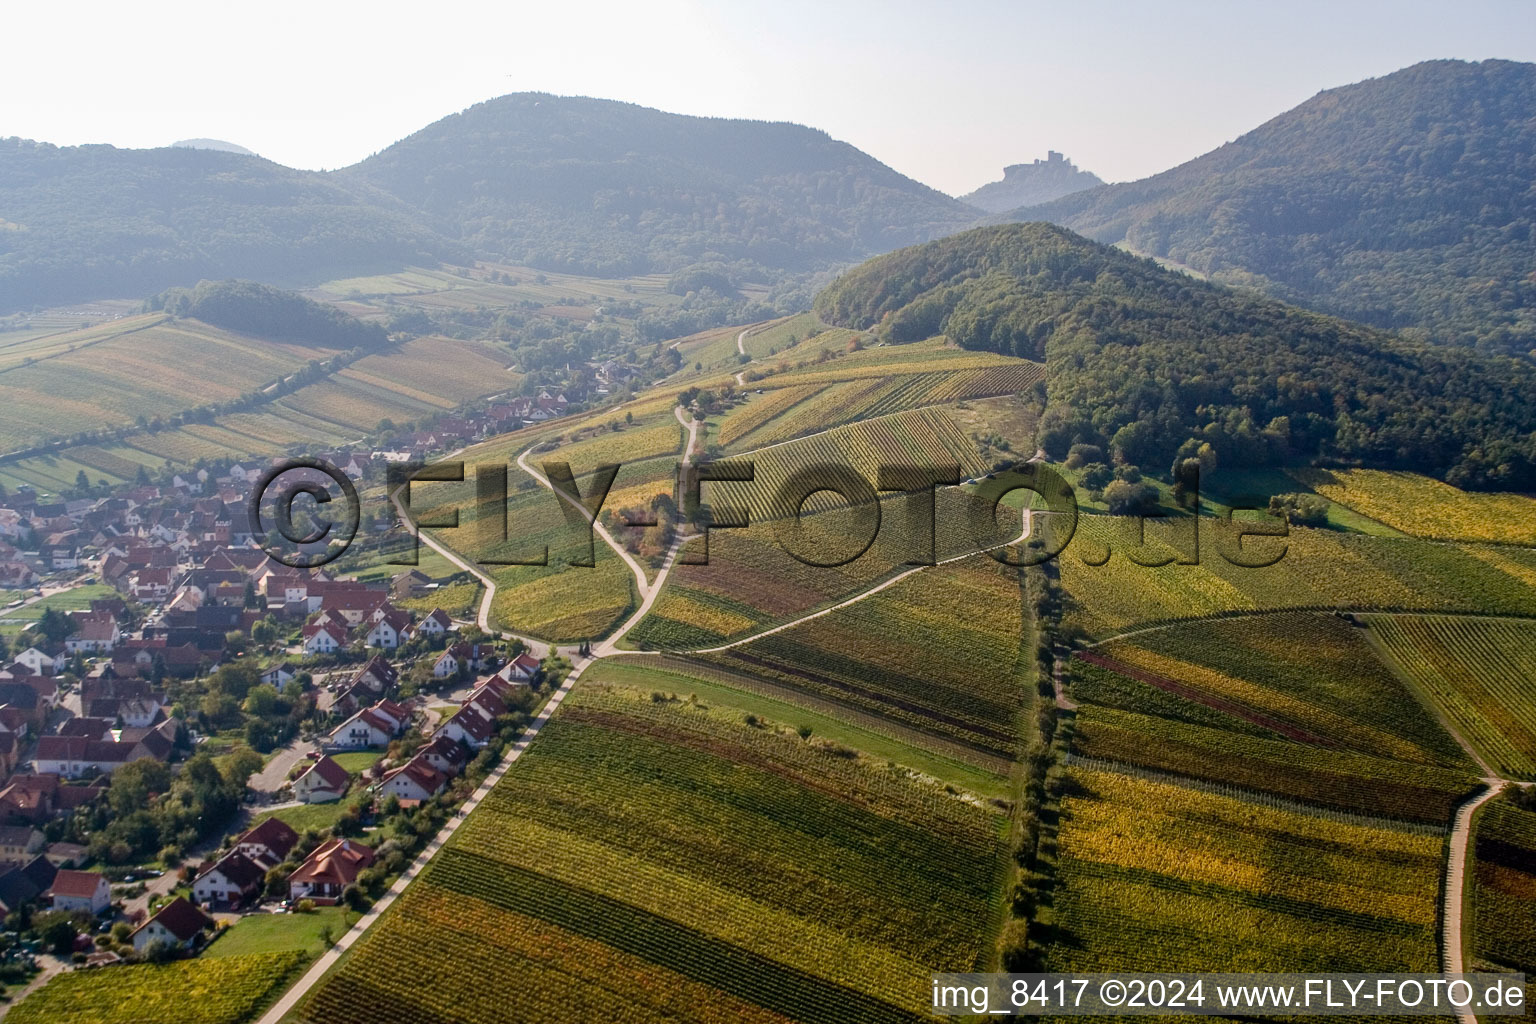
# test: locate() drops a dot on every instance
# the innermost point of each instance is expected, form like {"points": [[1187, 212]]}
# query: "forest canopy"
{"points": [[272, 313], [1149, 363]]}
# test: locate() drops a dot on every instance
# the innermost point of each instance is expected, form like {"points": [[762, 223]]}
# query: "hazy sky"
{"points": [[946, 93]]}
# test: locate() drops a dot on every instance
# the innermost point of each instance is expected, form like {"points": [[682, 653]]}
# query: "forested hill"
{"points": [[1152, 363], [88, 222], [608, 187], [266, 312], [1402, 201]]}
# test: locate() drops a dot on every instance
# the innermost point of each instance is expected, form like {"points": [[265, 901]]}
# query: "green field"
{"points": [[283, 933], [14, 620]]}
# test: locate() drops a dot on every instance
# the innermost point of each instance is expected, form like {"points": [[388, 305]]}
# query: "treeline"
{"points": [[1150, 364], [267, 312]]}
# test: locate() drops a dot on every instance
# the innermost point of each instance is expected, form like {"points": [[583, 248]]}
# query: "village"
{"points": [[194, 736]]}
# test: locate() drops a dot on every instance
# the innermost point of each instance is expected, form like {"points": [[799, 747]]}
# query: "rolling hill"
{"points": [[601, 186], [86, 222], [1149, 362], [1403, 201]]}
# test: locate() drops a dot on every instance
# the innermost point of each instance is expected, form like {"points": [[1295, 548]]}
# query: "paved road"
{"points": [[274, 774], [328, 959]]}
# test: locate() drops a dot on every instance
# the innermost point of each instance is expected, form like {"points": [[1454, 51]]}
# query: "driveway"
{"points": [[274, 774]]}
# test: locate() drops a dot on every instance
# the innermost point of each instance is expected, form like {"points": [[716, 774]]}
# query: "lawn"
{"points": [[282, 933], [357, 761], [319, 817], [18, 619]]}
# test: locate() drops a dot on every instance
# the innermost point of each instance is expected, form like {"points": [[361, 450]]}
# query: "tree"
{"points": [[57, 931], [55, 625], [261, 700], [1128, 499]]}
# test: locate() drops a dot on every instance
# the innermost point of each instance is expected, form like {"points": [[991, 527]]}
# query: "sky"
{"points": [[945, 93]]}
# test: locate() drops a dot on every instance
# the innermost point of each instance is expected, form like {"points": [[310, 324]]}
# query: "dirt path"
{"points": [[855, 599], [537, 648], [641, 583], [1451, 961]]}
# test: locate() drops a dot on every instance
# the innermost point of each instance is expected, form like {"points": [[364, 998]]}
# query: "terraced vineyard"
{"points": [[921, 437], [1294, 705], [148, 365], [208, 990], [1481, 672], [656, 858], [1155, 876], [1304, 676]]}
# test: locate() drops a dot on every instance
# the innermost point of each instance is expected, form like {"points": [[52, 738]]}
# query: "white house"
{"points": [[322, 782], [278, 675], [324, 638], [520, 669], [233, 880], [371, 727], [435, 624], [389, 630], [84, 891], [94, 636], [178, 923], [414, 780]]}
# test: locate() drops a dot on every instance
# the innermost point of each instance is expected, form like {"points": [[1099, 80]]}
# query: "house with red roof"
{"points": [[415, 780], [324, 638], [230, 881], [326, 873], [323, 781], [85, 891], [270, 842], [178, 922]]}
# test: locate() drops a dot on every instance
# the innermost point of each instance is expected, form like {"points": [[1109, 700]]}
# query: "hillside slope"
{"points": [[1402, 201], [608, 187], [1149, 362], [85, 222]]}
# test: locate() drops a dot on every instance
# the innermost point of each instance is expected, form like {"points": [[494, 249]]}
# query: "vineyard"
{"points": [[1310, 677], [934, 653], [1154, 876], [1320, 569], [1425, 507], [146, 366], [1213, 751], [207, 990], [1504, 929], [750, 583], [790, 412], [1480, 672], [921, 437], [652, 857]]}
